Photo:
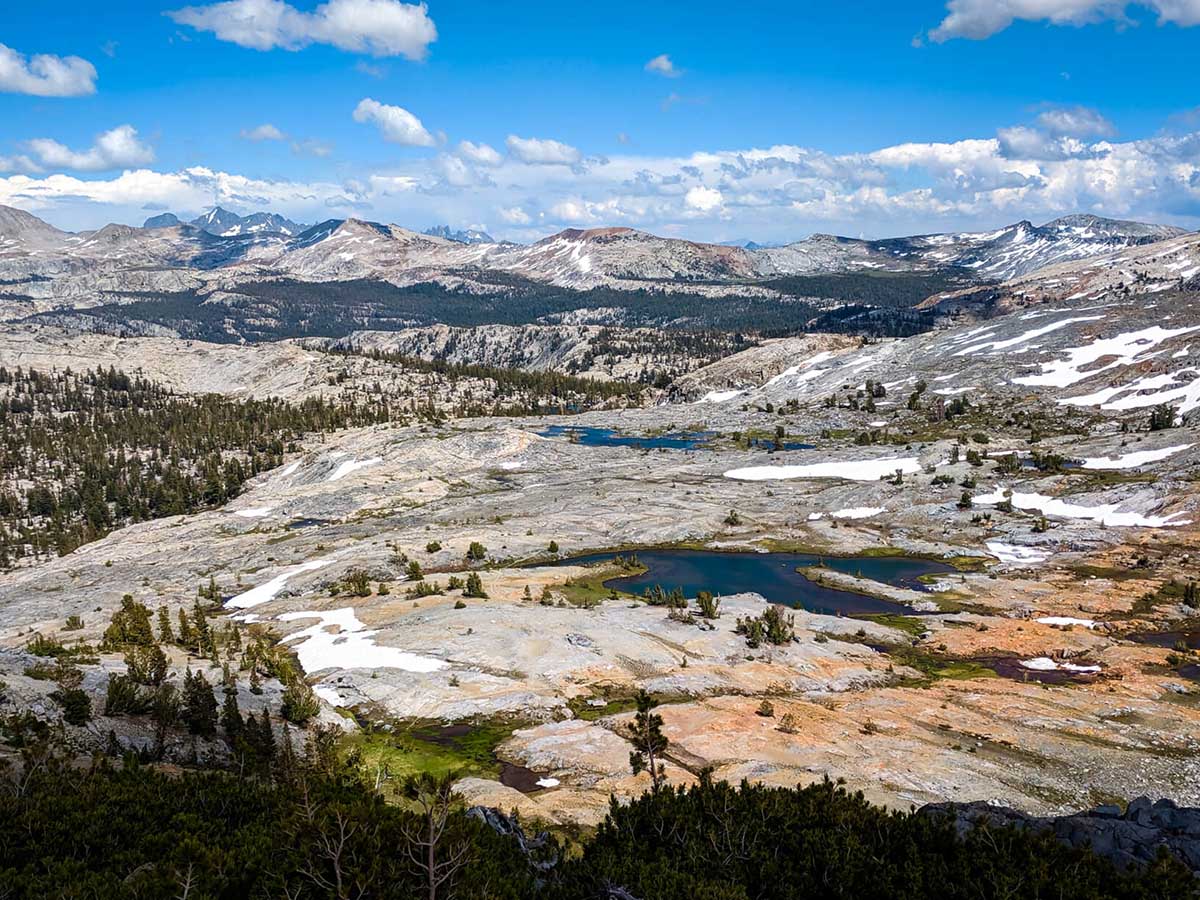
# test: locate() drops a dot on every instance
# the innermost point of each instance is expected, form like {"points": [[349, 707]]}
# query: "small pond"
{"points": [[590, 436], [773, 575], [295, 524], [1010, 667], [512, 774], [1169, 639]]}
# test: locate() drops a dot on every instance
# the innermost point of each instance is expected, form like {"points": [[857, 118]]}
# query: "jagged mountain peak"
{"points": [[461, 236], [223, 223]]}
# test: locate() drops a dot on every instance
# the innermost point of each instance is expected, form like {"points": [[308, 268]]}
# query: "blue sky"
{"points": [[766, 122]]}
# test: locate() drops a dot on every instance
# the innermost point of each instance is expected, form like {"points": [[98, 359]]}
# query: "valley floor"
{"points": [[904, 708]]}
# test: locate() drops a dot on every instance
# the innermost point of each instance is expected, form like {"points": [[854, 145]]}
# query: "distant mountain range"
{"points": [[223, 223], [42, 268]]}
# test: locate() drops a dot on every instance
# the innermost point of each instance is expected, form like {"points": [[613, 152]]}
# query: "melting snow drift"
{"points": [[862, 470], [350, 646]]}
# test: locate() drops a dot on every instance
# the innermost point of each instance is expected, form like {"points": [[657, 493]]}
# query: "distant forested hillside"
{"points": [[272, 310]]}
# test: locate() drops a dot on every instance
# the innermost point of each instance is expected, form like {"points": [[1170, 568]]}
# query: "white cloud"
{"points": [[44, 75], [514, 215], [264, 132], [775, 193], [119, 148], [377, 27], [1060, 133], [395, 124], [979, 19], [20, 163], [1076, 121], [704, 199], [542, 152], [662, 65], [480, 154], [312, 147]]}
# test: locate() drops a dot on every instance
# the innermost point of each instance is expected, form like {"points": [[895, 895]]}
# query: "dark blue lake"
{"points": [[590, 436], [773, 575], [769, 445]]}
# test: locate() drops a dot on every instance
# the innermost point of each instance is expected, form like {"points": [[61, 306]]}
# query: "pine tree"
{"points": [[648, 741], [231, 715], [165, 634], [199, 705], [185, 636], [202, 639]]}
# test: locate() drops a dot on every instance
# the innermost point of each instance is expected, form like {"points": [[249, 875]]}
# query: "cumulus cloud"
{"points": [[662, 65], [542, 152], [703, 199], [480, 154], [20, 163], [44, 75], [514, 215], [377, 27], [395, 123], [979, 19], [264, 132], [119, 148], [775, 193], [1076, 121], [1058, 133]]}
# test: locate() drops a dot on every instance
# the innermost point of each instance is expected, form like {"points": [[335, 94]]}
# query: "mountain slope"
{"points": [[1172, 264], [47, 269], [990, 256], [223, 223]]}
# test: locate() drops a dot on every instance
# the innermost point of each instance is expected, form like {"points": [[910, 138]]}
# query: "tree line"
{"points": [[85, 453]]}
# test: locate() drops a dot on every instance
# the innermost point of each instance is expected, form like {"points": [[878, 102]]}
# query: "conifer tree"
{"points": [[199, 705], [648, 740], [165, 634]]}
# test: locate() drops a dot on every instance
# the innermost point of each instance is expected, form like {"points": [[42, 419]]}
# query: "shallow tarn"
{"points": [[773, 575]]}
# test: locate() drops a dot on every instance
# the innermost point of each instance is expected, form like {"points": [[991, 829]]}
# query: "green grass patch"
{"points": [[426, 748], [1112, 573], [936, 668], [908, 624], [613, 706]]}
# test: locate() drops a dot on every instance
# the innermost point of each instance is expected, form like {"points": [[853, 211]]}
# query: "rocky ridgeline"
{"points": [[47, 269], [1130, 838]]}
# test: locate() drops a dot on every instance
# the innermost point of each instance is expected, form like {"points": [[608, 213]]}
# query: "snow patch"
{"points": [[1125, 348], [720, 396], [858, 512], [851, 470], [1105, 513], [1133, 460], [350, 646], [267, 591], [329, 695], [352, 465], [1013, 554], [1046, 664]]}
